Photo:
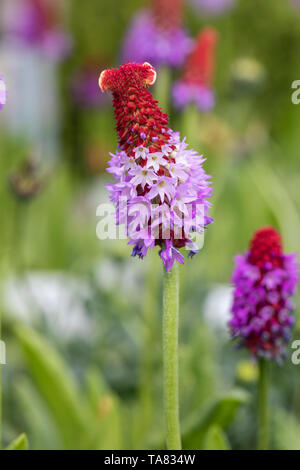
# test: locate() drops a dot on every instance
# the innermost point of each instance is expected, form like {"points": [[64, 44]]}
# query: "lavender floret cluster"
{"points": [[262, 307], [185, 93], [171, 204]]}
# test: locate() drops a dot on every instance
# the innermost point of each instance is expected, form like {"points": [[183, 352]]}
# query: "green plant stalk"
{"points": [[170, 357], [162, 88], [263, 408], [190, 125]]}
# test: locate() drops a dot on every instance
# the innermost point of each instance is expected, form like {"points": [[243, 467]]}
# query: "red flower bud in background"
{"points": [[195, 86]]}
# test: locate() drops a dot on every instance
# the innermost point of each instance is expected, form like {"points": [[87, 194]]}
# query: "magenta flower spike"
{"points": [[38, 23], [212, 7], [156, 35], [161, 180], [195, 86], [265, 280], [2, 92]]}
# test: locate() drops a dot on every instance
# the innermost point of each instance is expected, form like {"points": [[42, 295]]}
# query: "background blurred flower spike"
{"points": [[195, 86], [26, 183], [156, 34], [265, 279]]}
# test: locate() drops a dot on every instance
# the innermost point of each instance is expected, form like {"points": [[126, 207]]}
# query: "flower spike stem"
{"points": [[190, 124], [263, 410], [170, 356], [163, 84]]}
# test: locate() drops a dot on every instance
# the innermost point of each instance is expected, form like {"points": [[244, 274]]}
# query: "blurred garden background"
{"points": [[81, 318]]}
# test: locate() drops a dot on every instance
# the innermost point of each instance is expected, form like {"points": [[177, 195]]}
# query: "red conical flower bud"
{"points": [[265, 248], [200, 65], [140, 122], [196, 84]]}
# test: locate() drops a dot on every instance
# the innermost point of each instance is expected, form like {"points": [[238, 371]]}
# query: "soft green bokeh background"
{"points": [[98, 385]]}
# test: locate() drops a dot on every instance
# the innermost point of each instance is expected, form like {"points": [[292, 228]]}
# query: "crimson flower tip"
{"points": [[129, 74], [266, 247]]}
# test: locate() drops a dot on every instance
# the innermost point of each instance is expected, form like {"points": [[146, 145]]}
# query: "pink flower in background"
{"points": [[2, 92], [212, 7], [38, 23], [265, 280], [195, 86], [162, 181], [156, 35]]}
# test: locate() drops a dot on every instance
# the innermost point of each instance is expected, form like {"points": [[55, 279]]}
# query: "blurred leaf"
{"points": [[95, 387], [58, 388], [20, 443], [277, 197], [219, 413], [39, 423], [107, 412], [286, 431], [215, 439], [195, 393], [109, 423]]}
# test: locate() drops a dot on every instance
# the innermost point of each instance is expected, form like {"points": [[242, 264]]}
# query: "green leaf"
{"points": [[40, 427], [107, 411], [215, 439], [277, 197], [286, 431], [95, 387], [221, 412], [20, 443], [58, 388]]}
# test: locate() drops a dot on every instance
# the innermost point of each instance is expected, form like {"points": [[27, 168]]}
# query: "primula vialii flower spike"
{"points": [[162, 181], [2, 92], [196, 83], [265, 279], [168, 14], [39, 23], [156, 34]]}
